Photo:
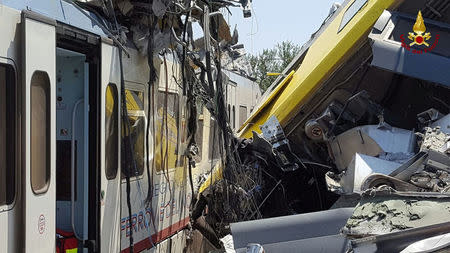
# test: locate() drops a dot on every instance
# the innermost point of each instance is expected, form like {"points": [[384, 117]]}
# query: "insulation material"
{"points": [[359, 169], [371, 140]]}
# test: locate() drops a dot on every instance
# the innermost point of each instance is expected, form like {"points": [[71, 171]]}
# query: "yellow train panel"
{"points": [[330, 50]]}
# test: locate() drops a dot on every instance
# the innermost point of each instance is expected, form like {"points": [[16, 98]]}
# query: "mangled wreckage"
{"points": [[350, 145], [109, 111]]}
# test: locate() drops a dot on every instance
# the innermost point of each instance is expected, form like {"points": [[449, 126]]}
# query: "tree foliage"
{"points": [[272, 60]]}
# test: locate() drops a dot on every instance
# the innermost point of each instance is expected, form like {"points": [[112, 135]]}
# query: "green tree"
{"points": [[272, 60]]}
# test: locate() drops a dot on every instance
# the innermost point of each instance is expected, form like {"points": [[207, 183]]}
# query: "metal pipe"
{"points": [[72, 171]]}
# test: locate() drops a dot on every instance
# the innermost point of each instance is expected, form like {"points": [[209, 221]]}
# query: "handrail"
{"points": [[72, 171]]}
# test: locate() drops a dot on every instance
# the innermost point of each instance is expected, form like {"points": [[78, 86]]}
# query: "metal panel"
{"points": [[110, 189], [360, 168], [334, 244], [430, 64], [393, 57], [9, 52], [62, 11], [39, 209], [290, 228]]}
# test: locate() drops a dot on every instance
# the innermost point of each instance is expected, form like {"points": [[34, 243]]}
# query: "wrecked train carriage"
{"points": [[95, 147], [362, 111]]}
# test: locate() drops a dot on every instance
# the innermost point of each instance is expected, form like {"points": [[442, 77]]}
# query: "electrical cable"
{"points": [[126, 147], [151, 81], [165, 158], [183, 59]]}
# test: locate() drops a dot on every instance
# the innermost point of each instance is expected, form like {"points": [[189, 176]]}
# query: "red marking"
{"points": [[419, 39], [158, 237]]}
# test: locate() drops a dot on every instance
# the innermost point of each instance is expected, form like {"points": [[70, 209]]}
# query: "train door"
{"points": [[72, 145], [39, 136], [110, 139]]}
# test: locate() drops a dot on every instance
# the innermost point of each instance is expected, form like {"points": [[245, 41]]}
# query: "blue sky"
{"points": [[276, 21]]}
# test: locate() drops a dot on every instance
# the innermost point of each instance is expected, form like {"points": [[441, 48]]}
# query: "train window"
{"points": [[166, 131], [7, 135], [229, 113], [242, 115], [111, 132], [351, 11], [40, 132], [136, 115]]}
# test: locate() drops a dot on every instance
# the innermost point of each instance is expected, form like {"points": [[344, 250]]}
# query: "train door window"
{"points": [[40, 132], [166, 131], [229, 113], [242, 115], [351, 11], [111, 132], [7, 135], [136, 133]]}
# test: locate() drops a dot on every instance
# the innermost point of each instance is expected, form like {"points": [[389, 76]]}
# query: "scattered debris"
{"points": [[383, 213]]}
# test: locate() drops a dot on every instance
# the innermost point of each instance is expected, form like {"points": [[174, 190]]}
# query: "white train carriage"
{"points": [[61, 137]]}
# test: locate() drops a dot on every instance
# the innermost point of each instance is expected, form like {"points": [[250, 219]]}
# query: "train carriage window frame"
{"points": [[40, 92], [173, 104], [243, 115], [142, 113], [8, 132], [112, 128], [351, 12]]}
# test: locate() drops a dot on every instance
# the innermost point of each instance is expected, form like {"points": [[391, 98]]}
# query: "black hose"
{"points": [[183, 59], [126, 147], [151, 81], [191, 181]]}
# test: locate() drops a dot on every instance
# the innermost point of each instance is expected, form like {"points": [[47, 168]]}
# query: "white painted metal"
{"points": [[39, 209], [72, 171], [169, 209], [110, 189], [10, 238]]}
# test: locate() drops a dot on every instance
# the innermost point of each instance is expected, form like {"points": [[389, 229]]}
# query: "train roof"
{"points": [[61, 11]]}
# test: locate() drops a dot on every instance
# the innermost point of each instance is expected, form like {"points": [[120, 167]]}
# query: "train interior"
{"points": [[72, 142]]}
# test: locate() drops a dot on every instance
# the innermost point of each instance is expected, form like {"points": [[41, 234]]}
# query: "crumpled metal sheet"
{"points": [[361, 167], [371, 140]]}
